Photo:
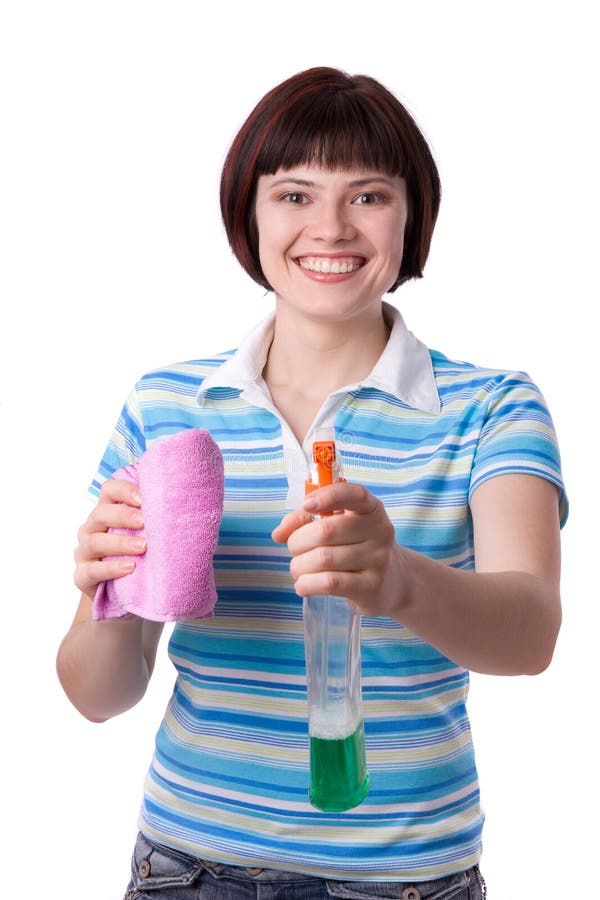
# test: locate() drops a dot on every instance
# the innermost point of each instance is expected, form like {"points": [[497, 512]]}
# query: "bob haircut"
{"points": [[324, 117]]}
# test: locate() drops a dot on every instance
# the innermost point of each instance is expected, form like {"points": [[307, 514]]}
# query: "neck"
{"points": [[316, 357]]}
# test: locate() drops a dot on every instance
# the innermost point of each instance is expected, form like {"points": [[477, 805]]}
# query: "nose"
{"points": [[331, 222]]}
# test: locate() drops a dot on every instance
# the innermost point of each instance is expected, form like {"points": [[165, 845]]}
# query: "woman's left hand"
{"points": [[352, 554]]}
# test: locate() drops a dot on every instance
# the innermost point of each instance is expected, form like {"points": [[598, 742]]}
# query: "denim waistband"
{"points": [[157, 868]]}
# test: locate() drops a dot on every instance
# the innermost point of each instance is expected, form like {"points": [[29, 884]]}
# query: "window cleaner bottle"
{"points": [[338, 771]]}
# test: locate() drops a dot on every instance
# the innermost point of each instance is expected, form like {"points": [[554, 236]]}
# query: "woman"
{"points": [[449, 544]]}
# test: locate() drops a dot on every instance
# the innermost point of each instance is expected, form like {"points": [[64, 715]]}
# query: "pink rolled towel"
{"points": [[181, 483]]}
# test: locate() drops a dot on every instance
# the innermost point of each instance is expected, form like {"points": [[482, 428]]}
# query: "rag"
{"points": [[180, 479]]}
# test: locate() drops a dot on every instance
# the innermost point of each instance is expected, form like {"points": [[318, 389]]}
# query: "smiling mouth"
{"points": [[326, 265]]}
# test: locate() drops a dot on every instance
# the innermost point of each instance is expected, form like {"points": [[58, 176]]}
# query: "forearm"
{"points": [[102, 667], [497, 623]]}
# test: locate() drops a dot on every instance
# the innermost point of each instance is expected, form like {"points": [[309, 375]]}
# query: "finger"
{"points": [[351, 585], [343, 495], [117, 490], [329, 531], [90, 574], [290, 522], [114, 515], [328, 559], [104, 543]]}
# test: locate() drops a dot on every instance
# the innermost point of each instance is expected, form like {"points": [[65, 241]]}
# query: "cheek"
{"points": [[396, 243], [274, 241], [400, 250], [266, 251], [264, 242], [390, 246]]}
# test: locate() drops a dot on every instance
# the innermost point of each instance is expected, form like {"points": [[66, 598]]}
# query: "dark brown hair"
{"points": [[327, 118]]}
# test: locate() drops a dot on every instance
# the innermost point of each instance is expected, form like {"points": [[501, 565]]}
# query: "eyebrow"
{"points": [[358, 182]]}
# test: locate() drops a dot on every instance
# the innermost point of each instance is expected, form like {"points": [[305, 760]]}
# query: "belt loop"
{"points": [[481, 882]]}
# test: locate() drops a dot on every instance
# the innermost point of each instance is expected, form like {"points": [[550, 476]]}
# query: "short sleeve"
{"points": [[518, 436], [126, 445]]}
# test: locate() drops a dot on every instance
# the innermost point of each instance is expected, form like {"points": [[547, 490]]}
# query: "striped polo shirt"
{"points": [[230, 772]]}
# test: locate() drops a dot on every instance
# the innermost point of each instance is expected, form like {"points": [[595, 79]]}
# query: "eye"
{"points": [[369, 198], [295, 197]]}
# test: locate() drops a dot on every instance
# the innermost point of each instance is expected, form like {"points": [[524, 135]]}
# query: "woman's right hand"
{"points": [[119, 506]]}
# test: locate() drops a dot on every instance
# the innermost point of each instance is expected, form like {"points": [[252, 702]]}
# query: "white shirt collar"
{"points": [[404, 368]]}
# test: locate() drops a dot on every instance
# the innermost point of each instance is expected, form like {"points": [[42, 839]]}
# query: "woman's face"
{"points": [[330, 242]]}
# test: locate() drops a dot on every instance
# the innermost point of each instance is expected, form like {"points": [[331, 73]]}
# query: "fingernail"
{"points": [[126, 565], [137, 519], [139, 544], [137, 497], [310, 503]]}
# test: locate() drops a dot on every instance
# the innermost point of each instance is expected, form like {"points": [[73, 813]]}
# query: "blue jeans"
{"points": [[162, 874]]}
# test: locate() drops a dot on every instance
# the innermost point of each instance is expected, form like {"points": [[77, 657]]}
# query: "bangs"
{"points": [[333, 130]]}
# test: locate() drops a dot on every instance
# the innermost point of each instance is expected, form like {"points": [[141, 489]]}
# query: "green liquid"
{"points": [[338, 771]]}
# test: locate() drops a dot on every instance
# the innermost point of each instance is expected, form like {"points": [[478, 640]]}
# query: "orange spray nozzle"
{"points": [[326, 468], [324, 457]]}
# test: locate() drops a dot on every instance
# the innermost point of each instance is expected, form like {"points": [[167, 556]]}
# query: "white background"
{"points": [[115, 118]]}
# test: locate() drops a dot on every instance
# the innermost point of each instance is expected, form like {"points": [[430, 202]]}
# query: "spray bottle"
{"points": [[338, 772]]}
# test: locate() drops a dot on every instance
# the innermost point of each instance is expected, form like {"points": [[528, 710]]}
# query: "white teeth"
{"points": [[326, 266]]}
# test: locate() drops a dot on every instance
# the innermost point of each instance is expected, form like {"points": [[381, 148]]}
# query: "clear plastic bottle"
{"points": [[338, 772]]}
